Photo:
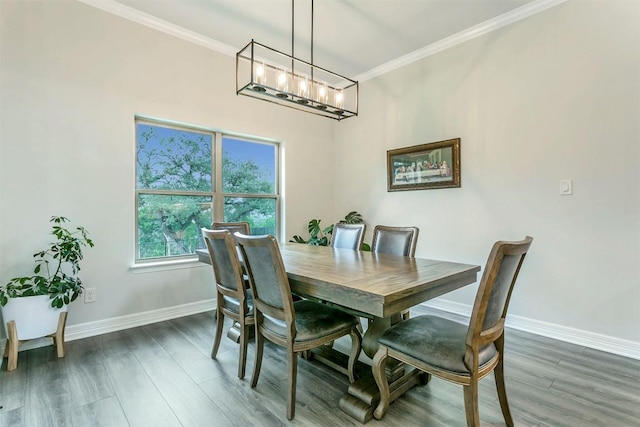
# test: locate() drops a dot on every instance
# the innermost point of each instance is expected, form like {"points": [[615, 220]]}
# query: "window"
{"points": [[187, 178]]}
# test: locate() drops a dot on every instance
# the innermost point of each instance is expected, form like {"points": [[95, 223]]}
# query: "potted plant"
{"points": [[319, 236], [33, 303]]}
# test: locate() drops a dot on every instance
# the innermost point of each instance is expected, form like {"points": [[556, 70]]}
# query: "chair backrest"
{"points": [[395, 240], [347, 236], [268, 278], [242, 227], [227, 269], [494, 292]]}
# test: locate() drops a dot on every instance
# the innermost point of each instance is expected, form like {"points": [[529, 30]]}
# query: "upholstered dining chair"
{"points": [[347, 236], [456, 352], [233, 299], [233, 227], [401, 241], [298, 326], [242, 227]]}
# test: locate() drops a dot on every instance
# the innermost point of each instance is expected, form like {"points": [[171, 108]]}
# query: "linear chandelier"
{"points": [[270, 75]]}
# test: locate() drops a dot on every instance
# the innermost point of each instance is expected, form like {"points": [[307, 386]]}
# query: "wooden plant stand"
{"points": [[11, 349]]}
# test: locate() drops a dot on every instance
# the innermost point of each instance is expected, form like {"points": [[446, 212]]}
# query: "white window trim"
{"points": [[190, 261]]}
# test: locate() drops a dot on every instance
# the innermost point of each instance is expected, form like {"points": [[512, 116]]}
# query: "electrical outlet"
{"points": [[89, 295]]}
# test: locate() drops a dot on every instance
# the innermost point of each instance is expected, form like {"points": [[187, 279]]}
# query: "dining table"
{"points": [[375, 286]]}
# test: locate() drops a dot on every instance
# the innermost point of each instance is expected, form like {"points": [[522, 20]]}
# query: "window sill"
{"points": [[151, 267]]}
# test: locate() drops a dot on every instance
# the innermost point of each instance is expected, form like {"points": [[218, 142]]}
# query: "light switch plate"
{"points": [[566, 187]]}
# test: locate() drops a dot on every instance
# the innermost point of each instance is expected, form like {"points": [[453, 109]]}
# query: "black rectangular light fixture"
{"points": [[271, 75]]}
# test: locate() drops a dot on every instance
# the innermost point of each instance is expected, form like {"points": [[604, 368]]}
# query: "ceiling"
{"points": [[354, 38]]}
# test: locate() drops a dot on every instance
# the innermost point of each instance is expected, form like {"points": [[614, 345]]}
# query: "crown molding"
{"points": [[150, 21], [461, 37]]}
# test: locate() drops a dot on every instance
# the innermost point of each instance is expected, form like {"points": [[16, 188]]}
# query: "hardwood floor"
{"points": [[162, 375]]}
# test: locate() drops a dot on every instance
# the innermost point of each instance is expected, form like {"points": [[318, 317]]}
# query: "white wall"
{"points": [[72, 77], [551, 97], [554, 96]]}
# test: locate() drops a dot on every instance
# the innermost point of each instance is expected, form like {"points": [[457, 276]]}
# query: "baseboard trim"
{"points": [[90, 329], [593, 340], [601, 342], [100, 327]]}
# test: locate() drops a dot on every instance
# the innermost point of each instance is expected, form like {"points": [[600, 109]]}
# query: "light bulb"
{"points": [[260, 76], [302, 87], [339, 99], [322, 93], [282, 80]]}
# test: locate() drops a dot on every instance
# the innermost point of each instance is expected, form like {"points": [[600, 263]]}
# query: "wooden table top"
{"points": [[375, 284]]}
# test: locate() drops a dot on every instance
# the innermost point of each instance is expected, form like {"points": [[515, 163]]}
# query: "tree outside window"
{"points": [[177, 194]]}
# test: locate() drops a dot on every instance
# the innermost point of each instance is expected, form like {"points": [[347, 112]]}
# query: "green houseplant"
{"points": [[319, 236], [56, 270]]}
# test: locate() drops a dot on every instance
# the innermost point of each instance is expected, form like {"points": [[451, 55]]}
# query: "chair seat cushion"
{"points": [[313, 320], [232, 304], [435, 341]]}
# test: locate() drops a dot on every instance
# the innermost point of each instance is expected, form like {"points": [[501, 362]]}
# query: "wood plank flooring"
{"points": [[162, 375]]}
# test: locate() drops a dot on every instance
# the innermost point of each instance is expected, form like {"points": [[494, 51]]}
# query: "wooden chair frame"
{"points": [[478, 336], [242, 227], [288, 315], [236, 290]]}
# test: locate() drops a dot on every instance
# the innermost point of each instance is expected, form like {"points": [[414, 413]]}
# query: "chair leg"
{"points": [[356, 347], [244, 341], [498, 372], [471, 403], [219, 327], [258, 360], [292, 363], [379, 362]]}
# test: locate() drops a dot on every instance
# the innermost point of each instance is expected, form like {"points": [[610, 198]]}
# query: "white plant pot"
{"points": [[34, 316]]}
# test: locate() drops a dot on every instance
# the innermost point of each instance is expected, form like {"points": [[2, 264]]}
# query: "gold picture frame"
{"points": [[425, 166]]}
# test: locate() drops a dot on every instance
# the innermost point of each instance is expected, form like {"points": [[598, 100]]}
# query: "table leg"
{"points": [[373, 332]]}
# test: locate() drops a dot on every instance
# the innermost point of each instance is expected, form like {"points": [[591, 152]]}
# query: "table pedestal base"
{"points": [[363, 396], [234, 333]]}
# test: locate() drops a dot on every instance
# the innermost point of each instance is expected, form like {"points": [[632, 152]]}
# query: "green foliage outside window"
{"points": [[175, 191]]}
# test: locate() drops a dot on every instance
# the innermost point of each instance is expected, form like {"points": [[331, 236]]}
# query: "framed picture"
{"points": [[424, 167]]}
